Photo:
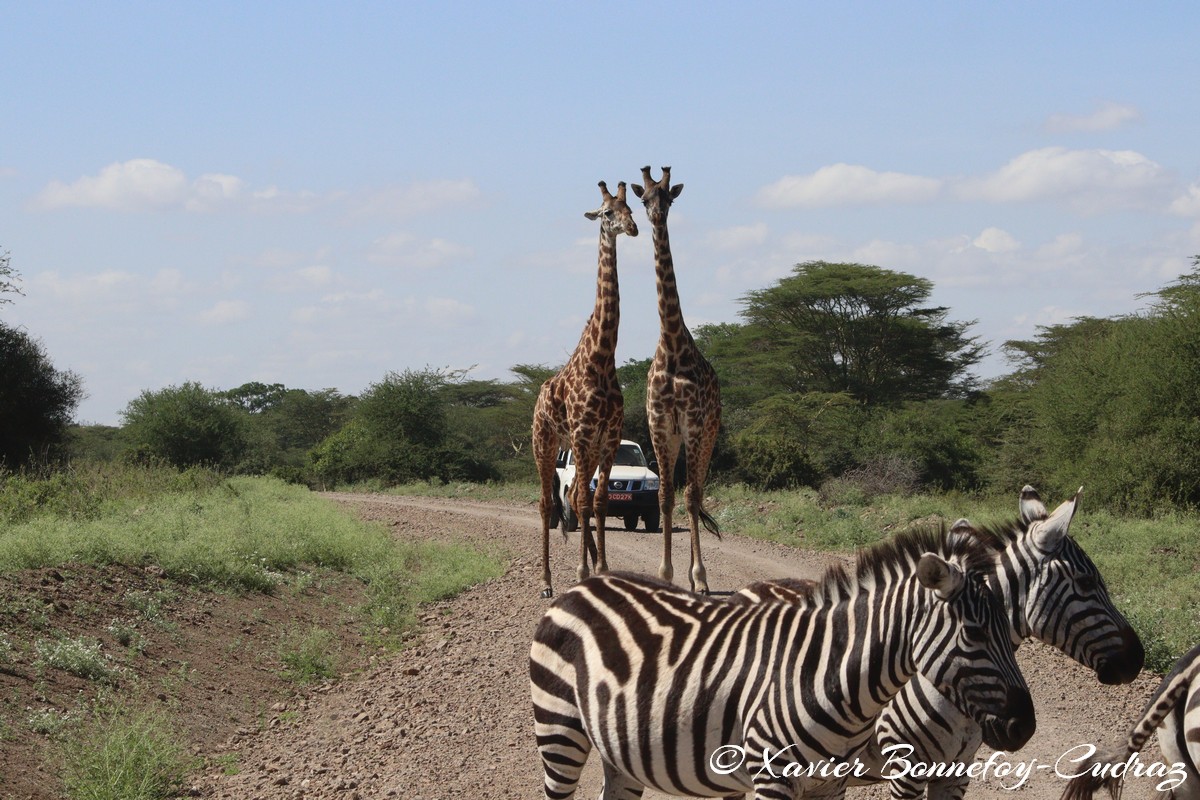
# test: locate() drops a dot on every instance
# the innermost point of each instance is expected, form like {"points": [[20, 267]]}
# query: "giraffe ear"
{"points": [[636, 189], [676, 190], [592, 214]]}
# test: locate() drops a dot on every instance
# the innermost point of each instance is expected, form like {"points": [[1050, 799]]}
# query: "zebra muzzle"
{"points": [[1010, 729], [1125, 664]]}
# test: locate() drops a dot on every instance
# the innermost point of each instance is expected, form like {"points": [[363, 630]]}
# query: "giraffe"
{"points": [[683, 399], [581, 407]]}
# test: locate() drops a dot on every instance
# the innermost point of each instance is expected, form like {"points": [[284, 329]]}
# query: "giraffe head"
{"points": [[657, 195], [614, 213]]}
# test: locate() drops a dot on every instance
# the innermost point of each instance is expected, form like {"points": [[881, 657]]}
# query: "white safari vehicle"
{"points": [[632, 488]]}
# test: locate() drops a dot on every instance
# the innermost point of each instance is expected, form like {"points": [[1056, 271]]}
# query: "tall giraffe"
{"points": [[581, 407], [683, 399]]}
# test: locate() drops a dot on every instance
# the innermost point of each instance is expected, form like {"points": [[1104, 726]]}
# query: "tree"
{"points": [[862, 330], [37, 401], [9, 278], [401, 432], [186, 425]]}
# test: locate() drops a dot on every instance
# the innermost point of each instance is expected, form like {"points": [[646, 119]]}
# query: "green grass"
{"points": [[242, 534], [309, 655], [124, 755]]}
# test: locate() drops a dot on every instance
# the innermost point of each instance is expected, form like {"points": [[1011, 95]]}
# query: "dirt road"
{"points": [[450, 716]]}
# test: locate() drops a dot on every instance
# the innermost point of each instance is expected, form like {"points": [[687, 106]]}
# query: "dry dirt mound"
{"points": [[212, 660]]}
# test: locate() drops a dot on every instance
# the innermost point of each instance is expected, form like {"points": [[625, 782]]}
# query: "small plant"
{"points": [[127, 635], [6, 649], [47, 721], [308, 656], [124, 755], [78, 657], [230, 763]]}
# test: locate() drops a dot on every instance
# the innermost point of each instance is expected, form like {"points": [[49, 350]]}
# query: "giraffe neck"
{"points": [[670, 315], [606, 316]]}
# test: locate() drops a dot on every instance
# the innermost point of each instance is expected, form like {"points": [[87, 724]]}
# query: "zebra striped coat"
{"points": [[1175, 709], [1052, 591], [692, 695]]}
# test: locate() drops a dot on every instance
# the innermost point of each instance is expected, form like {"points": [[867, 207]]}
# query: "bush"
{"points": [[186, 426]]}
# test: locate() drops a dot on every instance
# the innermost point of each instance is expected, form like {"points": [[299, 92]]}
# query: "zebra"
{"points": [[1052, 591], [699, 696], [1175, 708]]}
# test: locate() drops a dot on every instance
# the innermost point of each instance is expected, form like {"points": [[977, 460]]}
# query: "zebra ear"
{"points": [[1031, 505], [935, 573], [1048, 534]]}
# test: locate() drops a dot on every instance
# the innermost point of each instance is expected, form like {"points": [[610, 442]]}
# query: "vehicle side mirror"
{"points": [[653, 466]]}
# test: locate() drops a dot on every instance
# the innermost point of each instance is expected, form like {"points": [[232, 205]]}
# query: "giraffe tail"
{"points": [[710, 524], [1169, 694]]}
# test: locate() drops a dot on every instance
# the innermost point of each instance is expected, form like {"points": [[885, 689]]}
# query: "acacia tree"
{"points": [[862, 330]]}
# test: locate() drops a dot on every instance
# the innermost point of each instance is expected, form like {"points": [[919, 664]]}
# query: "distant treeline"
{"points": [[840, 377]]}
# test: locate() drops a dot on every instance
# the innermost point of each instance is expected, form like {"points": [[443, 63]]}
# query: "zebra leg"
{"points": [[948, 788], [619, 786], [564, 749], [906, 788]]}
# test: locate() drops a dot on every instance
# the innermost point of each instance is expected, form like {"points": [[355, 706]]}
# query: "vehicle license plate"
{"points": [[625, 496]]}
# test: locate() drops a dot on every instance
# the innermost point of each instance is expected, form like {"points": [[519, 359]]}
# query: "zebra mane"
{"points": [[975, 553], [1003, 533]]}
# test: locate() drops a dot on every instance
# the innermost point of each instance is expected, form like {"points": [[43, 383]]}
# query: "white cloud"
{"points": [[209, 191], [447, 310], [738, 237], [144, 184], [848, 184], [399, 201], [1187, 204], [1107, 117], [81, 288], [1088, 180], [406, 250], [996, 240], [224, 312], [135, 185]]}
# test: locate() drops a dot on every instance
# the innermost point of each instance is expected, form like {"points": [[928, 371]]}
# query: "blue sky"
{"points": [[318, 194]]}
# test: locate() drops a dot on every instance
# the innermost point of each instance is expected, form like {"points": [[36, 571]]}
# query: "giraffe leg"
{"points": [[611, 446], [699, 452], [666, 501], [545, 445], [698, 577], [585, 466]]}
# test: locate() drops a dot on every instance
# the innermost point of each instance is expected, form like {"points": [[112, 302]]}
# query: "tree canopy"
{"points": [[857, 329]]}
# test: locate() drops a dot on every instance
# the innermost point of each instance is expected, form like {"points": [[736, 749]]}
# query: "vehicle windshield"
{"points": [[629, 455]]}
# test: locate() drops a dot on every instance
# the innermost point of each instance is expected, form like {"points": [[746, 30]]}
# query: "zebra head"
{"points": [[963, 644], [1056, 594]]}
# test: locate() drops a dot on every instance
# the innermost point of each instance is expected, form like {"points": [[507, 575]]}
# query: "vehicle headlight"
{"points": [[651, 484], [592, 485]]}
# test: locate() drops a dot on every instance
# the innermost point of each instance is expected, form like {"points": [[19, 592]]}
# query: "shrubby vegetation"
{"points": [[838, 376]]}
